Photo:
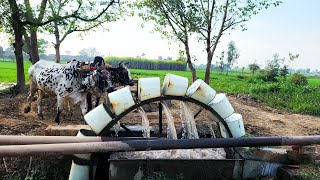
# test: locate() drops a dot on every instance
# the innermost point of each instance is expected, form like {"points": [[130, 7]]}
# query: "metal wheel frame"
{"points": [[164, 98]]}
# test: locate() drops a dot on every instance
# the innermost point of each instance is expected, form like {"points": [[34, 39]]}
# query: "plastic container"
{"points": [[121, 100], [235, 124], [222, 105], [98, 118], [148, 88], [81, 172], [174, 85], [201, 91]]}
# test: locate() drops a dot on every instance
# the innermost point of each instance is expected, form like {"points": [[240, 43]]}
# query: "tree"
{"points": [[61, 28], [220, 64], [1, 51], [42, 48], [31, 39], [17, 18], [254, 67], [172, 19], [89, 52], [17, 26], [232, 55], [214, 18], [43, 45]]}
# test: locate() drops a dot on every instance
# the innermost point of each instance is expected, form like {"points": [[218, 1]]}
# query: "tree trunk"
{"points": [[57, 44], [34, 45], [192, 69], [208, 68], [27, 41], [18, 32], [57, 48]]}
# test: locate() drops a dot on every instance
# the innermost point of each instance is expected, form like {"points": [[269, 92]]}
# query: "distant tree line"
{"points": [[142, 63]]}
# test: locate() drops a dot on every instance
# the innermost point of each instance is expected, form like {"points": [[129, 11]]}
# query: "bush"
{"points": [[298, 79], [264, 76]]}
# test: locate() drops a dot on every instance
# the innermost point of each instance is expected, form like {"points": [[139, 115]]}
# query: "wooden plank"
{"points": [[69, 130]]}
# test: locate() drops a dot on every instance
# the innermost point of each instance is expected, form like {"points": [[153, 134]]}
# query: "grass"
{"points": [[281, 95], [8, 73]]}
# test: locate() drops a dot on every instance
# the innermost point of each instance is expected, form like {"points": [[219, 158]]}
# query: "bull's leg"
{"points": [[89, 102], [97, 101], [40, 96], [60, 101], [29, 99], [83, 106]]}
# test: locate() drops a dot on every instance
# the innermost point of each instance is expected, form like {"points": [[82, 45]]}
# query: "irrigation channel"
{"points": [[172, 152]]}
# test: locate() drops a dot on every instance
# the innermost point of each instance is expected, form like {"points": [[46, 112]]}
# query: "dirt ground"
{"points": [[259, 120]]}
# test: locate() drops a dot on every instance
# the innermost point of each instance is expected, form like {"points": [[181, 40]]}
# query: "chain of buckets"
{"points": [[149, 88]]}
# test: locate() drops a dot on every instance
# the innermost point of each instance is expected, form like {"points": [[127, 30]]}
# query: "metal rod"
{"points": [[138, 145], [199, 111], [23, 140], [160, 120]]}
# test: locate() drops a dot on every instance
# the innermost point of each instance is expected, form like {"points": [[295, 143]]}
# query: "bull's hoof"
{"points": [[56, 124], [40, 116], [27, 109]]}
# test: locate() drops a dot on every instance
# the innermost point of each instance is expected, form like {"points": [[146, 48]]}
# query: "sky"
{"points": [[294, 27]]}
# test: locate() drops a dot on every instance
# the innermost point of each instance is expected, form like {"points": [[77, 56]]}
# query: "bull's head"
{"points": [[103, 80], [124, 74]]}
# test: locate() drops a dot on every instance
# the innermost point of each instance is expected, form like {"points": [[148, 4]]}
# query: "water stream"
{"points": [[145, 122], [171, 129], [211, 129], [117, 128], [188, 124]]}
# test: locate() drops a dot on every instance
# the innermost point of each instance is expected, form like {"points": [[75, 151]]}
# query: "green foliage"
{"points": [[264, 76], [143, 63], [284, 71], [232, 55], [297, 99], [254, 67], [298, 79]]}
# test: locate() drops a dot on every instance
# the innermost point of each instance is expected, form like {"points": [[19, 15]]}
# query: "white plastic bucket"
{"points": [[222, 105], [235, 124], [148, 88], [121, 100], [201, 91], [98, 118], [174, 85], [80, 172]]}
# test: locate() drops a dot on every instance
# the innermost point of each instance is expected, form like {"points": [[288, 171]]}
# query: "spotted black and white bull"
{"points": [[66, 82]]}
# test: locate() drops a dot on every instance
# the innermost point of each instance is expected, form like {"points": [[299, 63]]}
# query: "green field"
{"points": [[281, 95]]}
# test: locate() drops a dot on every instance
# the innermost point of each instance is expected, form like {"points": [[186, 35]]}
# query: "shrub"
{"points": [[298, 79]]}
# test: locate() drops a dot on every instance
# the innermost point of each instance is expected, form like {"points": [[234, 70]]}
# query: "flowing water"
{"points": [[171, 129], [117, 128], [145, 122], [211, 129], [188, 124]]}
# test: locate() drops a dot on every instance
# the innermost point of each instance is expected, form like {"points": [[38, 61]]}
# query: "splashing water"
{"points": [[171, 129], [188, 124], [211, 129], [145, 122], [117, 128]]}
